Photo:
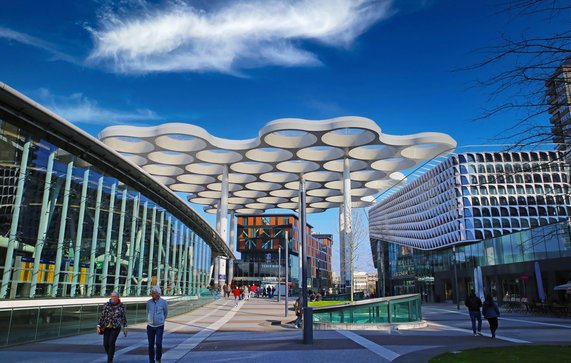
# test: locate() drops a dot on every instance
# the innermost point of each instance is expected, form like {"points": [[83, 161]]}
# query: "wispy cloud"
{"points": [[77, 108], [29, 40], [244, 34], [327, 109]]}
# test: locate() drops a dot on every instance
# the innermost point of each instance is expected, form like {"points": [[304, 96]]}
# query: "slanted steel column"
{"points": [[161, 248], [12, 237], [185, 263], [180, 250], [198, 263], [62, 228], [206, 266], [132, 245], [79, 234], [95, 231], [141, 249], [43, 225], [174, 267], [167, 255], [151, 250], [191, 268], [105, 272], [118, 256]]}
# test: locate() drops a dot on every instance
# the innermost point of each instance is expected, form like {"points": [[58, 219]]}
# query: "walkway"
{"points": [[257, 331]]}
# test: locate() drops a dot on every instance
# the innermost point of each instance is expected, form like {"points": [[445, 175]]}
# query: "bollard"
{"points": [[308, 325]]}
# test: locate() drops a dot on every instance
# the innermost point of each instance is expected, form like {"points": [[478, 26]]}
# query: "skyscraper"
{"points": [[559, 99]]}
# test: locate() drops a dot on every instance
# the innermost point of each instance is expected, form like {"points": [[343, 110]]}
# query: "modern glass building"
{"points": [[559, 99], [260, 239], [479, 210], [79, 220], [508, 265]]}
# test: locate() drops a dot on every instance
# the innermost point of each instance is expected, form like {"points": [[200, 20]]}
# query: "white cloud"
{"points": [[241, 35], [325, 108], [77, 108], [29, 40]]}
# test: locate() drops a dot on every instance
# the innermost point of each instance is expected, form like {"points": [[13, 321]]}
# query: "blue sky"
{"points": [[233, 66]]}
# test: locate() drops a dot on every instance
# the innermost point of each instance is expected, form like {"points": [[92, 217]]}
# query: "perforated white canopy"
{"points": [[264, 172]]}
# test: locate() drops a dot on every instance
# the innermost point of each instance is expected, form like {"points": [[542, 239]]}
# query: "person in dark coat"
{"points": [[491, 313], [474, 304], [298, 313], [112, 318]]}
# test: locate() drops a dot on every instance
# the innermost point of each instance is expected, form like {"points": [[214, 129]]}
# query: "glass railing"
{"points": [[387, 310], [25, 325]]}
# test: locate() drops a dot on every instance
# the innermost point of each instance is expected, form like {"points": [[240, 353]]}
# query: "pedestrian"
{"points": [[297, 309], [474, 304], [226, 290], [157, 312], [236, 293], [112, 318], [491, 313]]}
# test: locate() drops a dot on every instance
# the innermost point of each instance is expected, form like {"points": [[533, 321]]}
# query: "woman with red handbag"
{"points": [[112, 318]]}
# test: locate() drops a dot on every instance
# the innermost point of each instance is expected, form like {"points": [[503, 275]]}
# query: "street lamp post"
{"points": [[455, 278], [286, 271], [279, 269], [307, 312]]}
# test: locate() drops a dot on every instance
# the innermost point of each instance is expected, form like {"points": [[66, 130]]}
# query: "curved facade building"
{"points": [[78, 219], [474, 196], [499, 221]]}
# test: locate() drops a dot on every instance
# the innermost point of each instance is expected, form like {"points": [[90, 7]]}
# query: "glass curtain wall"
{"points": [[67, 229], [410, 269]]}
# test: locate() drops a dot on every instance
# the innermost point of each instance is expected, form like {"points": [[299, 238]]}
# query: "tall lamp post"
{"points": [[286, 271], [307, 312], [455, 278], [279, 268]]}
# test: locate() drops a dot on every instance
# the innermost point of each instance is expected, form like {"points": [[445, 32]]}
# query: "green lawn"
{"points": [[519, 353], [317, 304]]}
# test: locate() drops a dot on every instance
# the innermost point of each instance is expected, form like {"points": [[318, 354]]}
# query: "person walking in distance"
{"points": [[491, 313], [112, 318], [157, 312], [474, 304], [236, 294], [298, 313]]}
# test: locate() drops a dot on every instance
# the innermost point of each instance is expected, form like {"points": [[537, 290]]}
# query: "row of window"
{"points": [[540, 178], [522, 156], [529, 211], [557, 189], [508, 223]]}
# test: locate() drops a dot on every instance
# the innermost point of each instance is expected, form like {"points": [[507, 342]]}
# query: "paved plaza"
{"points": [[258, 331]]}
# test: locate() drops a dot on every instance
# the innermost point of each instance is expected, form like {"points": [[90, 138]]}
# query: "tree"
{"points": [[359, 233], [526, 68]]}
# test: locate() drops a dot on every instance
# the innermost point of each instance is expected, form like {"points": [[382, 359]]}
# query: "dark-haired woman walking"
{"points": [[112, 318], [491, 313]]}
